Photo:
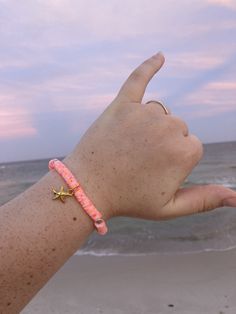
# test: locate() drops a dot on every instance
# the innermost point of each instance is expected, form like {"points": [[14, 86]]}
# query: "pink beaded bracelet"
{"points": [[76, 190]]}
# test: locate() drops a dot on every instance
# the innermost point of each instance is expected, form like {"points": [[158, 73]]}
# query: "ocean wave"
{"points": [[225, 182], [9, 184], [107, 253]]}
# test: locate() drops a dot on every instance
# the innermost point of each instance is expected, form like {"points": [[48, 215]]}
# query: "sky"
{"points": [[62, 62]]}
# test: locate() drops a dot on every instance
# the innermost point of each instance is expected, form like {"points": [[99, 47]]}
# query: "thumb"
{"points": [[134, 87], [198, 199]]}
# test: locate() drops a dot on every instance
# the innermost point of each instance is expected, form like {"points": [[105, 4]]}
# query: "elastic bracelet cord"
{"points": [[76, 190]]}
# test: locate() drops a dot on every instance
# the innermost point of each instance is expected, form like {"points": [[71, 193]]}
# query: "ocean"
{"points": [[215, 230]]}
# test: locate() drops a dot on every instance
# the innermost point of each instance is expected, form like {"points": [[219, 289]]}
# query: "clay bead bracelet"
{"points": [[76, 190]]}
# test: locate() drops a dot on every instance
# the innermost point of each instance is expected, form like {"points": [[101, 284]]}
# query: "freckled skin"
{"points": [[37, 237], [125, 161]]}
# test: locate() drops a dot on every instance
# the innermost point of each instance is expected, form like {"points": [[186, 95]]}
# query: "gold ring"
{"points": [[160, 103]]}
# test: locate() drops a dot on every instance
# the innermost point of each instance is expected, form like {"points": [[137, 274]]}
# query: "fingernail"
{"points": [[230, 202]]}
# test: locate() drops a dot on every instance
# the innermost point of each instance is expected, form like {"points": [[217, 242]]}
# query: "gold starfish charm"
{"points": [[62, 194]]}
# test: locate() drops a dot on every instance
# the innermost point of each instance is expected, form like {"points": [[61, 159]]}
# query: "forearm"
{"points": [[37, 236]]}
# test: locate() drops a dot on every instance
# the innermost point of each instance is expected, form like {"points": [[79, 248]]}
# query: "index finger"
{"points": [[134, 87]]}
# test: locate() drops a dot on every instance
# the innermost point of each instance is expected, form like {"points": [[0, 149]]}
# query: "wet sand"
{"points": [[181, 284]]}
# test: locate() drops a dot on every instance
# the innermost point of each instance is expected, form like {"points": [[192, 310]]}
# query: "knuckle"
{"points": [[142, 70], [197, 147], [181, 124], [136, 74], [206, 206], [148, 66], [203, 204]]}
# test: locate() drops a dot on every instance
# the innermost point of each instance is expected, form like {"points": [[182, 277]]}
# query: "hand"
{"points": [[136, 157]]}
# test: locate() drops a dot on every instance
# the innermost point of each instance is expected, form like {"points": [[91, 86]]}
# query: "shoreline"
{"points": [[169, 253], [191, 283]]}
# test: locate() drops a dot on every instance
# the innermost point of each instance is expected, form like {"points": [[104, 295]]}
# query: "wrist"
{"points": [[85, 176]]}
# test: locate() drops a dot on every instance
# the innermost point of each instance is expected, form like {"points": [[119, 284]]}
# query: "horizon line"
{"points": [[61, 157]]}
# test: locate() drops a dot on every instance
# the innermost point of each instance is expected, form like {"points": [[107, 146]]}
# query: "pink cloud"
{"points": [[194, 61], [214, 98], [226, 3], [15, 123], [223, 86], [187, 64]]}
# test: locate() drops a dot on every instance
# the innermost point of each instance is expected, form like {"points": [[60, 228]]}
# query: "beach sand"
{"points": [[184, 284]]}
